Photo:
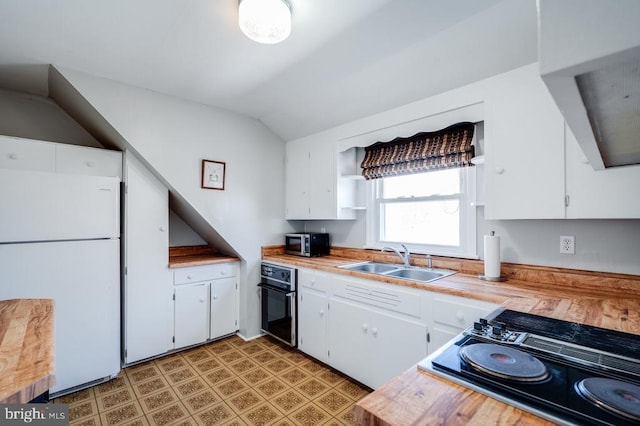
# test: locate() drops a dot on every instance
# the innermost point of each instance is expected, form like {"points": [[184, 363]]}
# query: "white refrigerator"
{"points": [[60, 239]]}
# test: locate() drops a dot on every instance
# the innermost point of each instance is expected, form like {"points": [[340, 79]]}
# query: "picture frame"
{"points": [[213, 174]]}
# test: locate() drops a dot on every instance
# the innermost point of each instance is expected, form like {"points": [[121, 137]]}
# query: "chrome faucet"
{"points": [[405, 257]]}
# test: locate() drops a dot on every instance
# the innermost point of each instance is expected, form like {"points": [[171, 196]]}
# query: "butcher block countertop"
{"points": [[183, 256], [416, 397], [26, 349]]}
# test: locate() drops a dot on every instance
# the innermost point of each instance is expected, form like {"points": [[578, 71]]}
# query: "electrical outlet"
{"points": [[567, 244]]}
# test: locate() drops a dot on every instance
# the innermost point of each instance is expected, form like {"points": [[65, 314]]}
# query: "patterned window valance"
{"points": [[422, 152]]}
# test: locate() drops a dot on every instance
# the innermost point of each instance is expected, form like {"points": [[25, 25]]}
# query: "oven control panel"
{"points": [[495, 331]]}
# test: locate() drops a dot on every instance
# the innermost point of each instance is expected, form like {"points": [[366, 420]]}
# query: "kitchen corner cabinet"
{"points": [[313, 189], [453, 314], [206, 303], [524, 149], [148, 290]]}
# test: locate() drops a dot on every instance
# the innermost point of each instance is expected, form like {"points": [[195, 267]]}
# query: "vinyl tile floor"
{"points": [[227, 382]]}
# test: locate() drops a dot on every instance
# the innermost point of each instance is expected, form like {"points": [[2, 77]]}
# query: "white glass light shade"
{"points": [[265, 21]]}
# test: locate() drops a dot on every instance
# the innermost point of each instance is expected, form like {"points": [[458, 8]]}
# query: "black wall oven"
{"points": [[279, 302]]}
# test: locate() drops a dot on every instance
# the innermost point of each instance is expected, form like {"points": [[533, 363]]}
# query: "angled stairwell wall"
{"points": [[171, 137]]}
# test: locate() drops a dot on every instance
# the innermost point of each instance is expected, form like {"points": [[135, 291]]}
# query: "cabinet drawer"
{"points": [[74, 159], [313, 281], [459, 313], [26, 154], [203, 273]]}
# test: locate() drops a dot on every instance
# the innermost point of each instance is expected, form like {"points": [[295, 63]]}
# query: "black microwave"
{"points": [[308, 244]]}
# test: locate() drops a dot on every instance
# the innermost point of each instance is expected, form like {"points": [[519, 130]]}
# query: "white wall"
{"points": [[36, 117], [181, 234], [173, 136], [601, 245]]}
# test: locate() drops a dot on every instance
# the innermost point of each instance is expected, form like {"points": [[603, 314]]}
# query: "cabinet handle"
{"points": [[189, 276], [13, 156], [460, 316], [202, 299], [215, 297], [162, 229], [499, 170], [365, 327], [374, 331], [321, 312], [313, 282], [90, 164]]}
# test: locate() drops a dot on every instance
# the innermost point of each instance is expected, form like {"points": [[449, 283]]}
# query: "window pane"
{"points": [[425, 222], [443, 182]]}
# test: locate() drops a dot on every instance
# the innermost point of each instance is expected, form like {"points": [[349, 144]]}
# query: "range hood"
{"points": [[589, 55]]}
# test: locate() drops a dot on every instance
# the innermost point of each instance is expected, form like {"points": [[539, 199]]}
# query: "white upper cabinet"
{"points": [[52, 157], [524, 149], [27, 154], [312, 187], [591, 194], [83, 160]]}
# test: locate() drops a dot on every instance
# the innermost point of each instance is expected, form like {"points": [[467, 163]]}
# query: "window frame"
{"points": [[468, 218]]}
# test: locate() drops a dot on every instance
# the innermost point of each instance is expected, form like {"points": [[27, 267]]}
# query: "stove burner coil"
{"points": [[615, 396], [504, 362]]}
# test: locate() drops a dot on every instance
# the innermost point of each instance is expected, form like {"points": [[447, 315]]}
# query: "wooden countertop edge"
{"points": [[199, 260], [419, 398], [27, 346]]}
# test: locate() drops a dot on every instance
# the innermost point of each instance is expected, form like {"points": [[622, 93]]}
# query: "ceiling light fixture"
{"points": [[265, 21]]}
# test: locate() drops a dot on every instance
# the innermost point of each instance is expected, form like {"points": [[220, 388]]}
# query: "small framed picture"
{"points": [[212, 174]]}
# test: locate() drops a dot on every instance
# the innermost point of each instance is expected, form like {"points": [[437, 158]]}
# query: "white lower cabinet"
{"points": [[373, 331], [452, 315], [205, 303], [358, 336], [191, 314], [224, 307], [313, 313], [370, 346]]}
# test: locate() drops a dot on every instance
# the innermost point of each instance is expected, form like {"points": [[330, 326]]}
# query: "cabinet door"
{"points": [[148, 310], [296, 181], [88, 161], [191, 324], [322, 182], [27, 154], [224, 307], [350, 343], [398, 344], [524, 158], [608, 194], [312, 324]]}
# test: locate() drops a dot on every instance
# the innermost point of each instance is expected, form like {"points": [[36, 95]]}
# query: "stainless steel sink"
{"points": [[394, 270], [371, 267], [420, 274]]}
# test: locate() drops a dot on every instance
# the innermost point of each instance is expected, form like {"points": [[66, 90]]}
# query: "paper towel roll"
{"points": [[491, 256]]}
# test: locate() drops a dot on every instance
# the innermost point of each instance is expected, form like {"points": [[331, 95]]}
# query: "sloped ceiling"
{"points": [[344, 59]]}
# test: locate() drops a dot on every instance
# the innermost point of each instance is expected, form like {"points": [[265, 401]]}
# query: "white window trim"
{"points": [[468, 227]]}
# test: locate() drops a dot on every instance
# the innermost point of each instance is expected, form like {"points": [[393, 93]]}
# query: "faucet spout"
{"points": [[406, 257]]}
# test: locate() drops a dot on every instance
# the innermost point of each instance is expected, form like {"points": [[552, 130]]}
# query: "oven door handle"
{"points": [[274, 288]]}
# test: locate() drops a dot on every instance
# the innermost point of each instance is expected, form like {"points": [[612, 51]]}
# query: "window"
{"points": [[429, 212]]}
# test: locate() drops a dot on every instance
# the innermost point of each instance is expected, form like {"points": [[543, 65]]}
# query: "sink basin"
{"points": [[371, 267], [394, 270], [417, 274]]}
